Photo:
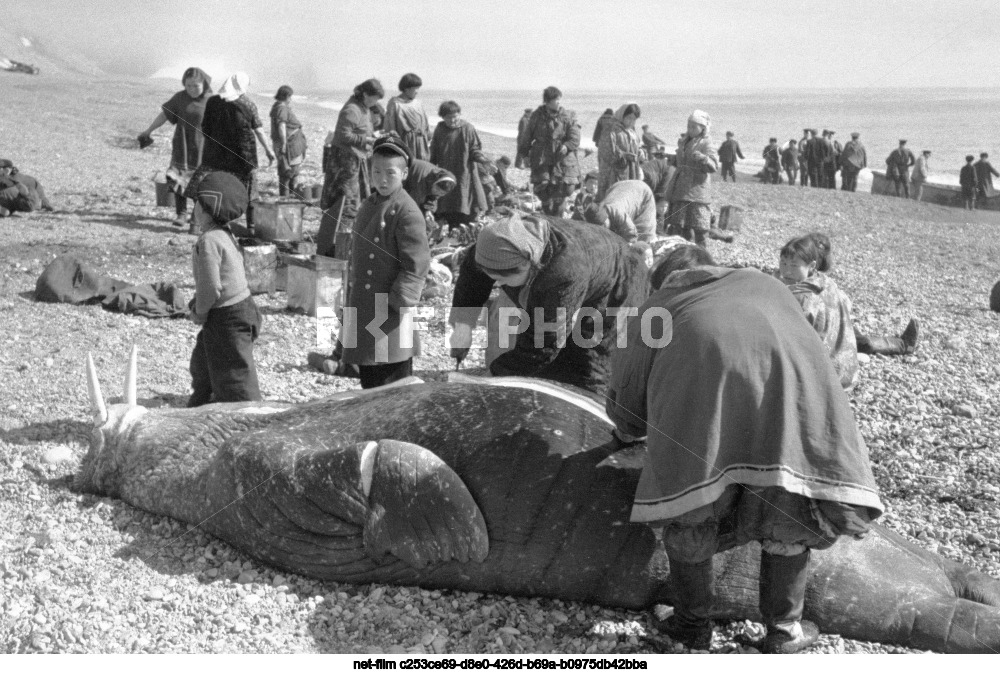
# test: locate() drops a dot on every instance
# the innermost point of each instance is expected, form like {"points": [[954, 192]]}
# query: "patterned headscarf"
{"points": [[511, 242]]}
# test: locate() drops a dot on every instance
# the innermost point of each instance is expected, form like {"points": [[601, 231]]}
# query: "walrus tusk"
{"points": [[130, 378], [96, 399]]}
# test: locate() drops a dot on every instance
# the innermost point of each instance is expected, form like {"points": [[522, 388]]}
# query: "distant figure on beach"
{"points": [[650, 141], [790, 161], [898, 168], [521, 160], [772, 162], [921, 168], [969, 182], [729, 154], [817, 149], [824, 157], [984, 176], [289, 141], [456, 147], [832, 164], [550, 142], [852, 159], [232, 129], [628, 209], [345, 165], [690, 214], [602, 123], [10, 176], [804, 157], [620, 152], [185, 110], [405, 116]]}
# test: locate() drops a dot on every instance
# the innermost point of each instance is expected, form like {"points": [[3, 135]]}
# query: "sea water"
{"points": [[951, 122]]}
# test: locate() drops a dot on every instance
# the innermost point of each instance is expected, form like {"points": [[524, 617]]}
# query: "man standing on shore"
{"points": [[521, 160], [984, 176], [550, 142], [898, 167], [920, 171], [790, 161], [852, 159], [804, 157], [729, 153], [772, 162], [816, 151], [833, 161]]}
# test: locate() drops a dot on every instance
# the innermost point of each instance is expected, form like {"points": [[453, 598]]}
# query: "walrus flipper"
{"points": [[420, 511]]}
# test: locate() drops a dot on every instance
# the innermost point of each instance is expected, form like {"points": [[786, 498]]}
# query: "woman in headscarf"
{"points": [[232, 129], [619, 151], [567, 280], [689, 213], [345, 163], [405, 115], [184, 110], [289, 141], [455, 147]]}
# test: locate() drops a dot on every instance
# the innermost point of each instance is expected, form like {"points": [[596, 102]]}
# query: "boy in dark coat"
{"points": [[389, 262], [222, 365]]}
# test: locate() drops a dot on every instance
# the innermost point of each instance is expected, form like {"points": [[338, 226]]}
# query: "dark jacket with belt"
{"points": [[582, 267], [729, 151], [389, 263]]}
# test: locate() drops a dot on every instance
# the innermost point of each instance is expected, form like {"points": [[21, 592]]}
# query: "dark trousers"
{"points": [[791, 173], [803, 175], [553, 197], [729, 168], [373, 376], [830, 176], [850, 180], [815, 175], [222, 366], [344, 186]]}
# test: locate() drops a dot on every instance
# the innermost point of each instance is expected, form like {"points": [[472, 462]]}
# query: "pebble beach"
{"points": [[80, 573]]}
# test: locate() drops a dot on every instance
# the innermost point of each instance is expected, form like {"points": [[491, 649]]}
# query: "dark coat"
{"points": [[230, 144], [457, 150], [984, 175], [602, 122], [657, 173], [967, 177], [583, 266], [729, 151], [419, 184], [389, 263], [550, 142]]}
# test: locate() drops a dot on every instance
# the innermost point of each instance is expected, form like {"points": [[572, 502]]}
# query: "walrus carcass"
{"points": [[507, 485]]}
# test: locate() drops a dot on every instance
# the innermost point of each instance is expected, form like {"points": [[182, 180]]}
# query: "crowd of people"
{"points": [[743, 408]]}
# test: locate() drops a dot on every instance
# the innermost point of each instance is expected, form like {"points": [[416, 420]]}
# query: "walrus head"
{"points": [[111, 427]]}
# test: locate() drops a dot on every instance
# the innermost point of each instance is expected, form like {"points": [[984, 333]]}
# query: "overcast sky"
{"points": [[625, 45]]}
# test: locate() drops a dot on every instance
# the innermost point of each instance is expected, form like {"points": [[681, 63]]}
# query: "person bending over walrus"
{"points": [[570, 280], [749, 435]]}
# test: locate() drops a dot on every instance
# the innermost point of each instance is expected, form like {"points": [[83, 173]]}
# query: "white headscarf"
{"points": [[234, 86]]}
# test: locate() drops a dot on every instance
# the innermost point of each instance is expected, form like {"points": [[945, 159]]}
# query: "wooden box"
{"points": [[731, 218]]}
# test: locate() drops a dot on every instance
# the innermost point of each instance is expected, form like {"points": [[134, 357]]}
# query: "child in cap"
{"points": [[587, 195], [390, 258], [222, 365]]}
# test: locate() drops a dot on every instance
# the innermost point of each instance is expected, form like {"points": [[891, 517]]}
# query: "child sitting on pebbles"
{"points": [[222, 365], [803, 266]]}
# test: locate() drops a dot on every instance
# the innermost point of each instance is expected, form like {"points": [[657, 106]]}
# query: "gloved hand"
{"points": [[144, 140]]}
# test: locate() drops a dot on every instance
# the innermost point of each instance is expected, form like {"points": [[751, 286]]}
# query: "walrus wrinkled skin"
{"points": [[489, 488]]}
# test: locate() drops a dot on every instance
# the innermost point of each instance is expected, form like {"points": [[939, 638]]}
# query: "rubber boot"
{"points": [[694, 594], [901, 345], [782, 599]]}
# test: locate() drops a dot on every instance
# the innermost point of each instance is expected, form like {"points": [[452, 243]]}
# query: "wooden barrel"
{"points": [[261, 264]]}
